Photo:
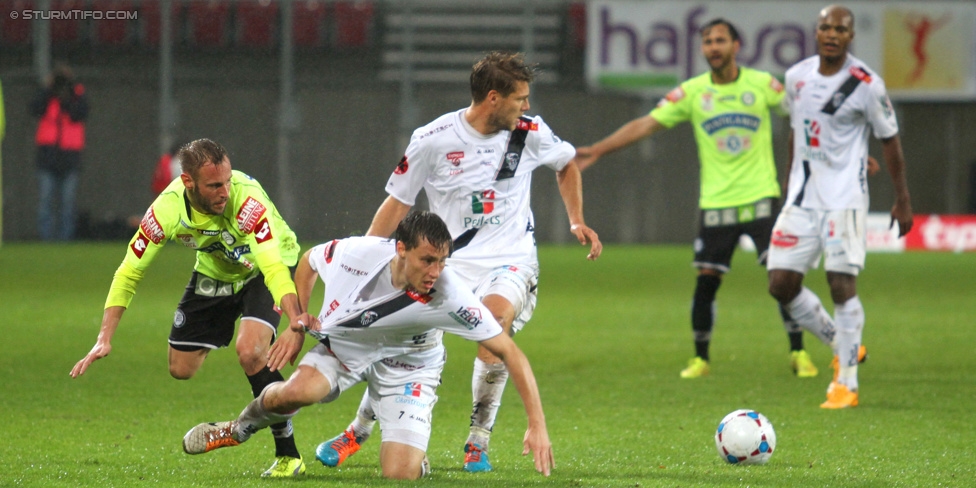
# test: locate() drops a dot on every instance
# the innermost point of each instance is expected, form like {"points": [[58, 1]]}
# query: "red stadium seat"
{"points": [[257, 21], [15, 31], [307, 26], [354, 21], [150, 17], [111, 32], [66, 30], [207, 21]]}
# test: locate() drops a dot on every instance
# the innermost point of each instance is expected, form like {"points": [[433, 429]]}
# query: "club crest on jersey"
{"points": [[368, 317], [748, 98], [227, 237], [402, 166], [249, 215], [512, 160], [455, 157], [150, 227]]}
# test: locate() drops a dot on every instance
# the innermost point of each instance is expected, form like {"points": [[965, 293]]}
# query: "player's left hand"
{"points": [[285, 349], [586, 235], [873, 166], [902, 213], [537, 441]]}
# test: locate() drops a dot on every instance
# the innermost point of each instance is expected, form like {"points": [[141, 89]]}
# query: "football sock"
{"points": [[487, 385], [809, 313], [255, 417], [793, 330], [284, 434], [849, 317], [362, 425], [703, 312]]}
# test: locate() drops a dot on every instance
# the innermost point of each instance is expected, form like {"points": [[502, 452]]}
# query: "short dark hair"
{"points": [[499, 71], [195, 154], [733, 32], [421, 225]]}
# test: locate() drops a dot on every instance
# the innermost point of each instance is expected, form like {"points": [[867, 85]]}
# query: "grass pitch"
{"points": [[606, 343]]}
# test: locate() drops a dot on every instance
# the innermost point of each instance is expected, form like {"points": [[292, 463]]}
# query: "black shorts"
{"points": [[719, 231], [209, 309]]}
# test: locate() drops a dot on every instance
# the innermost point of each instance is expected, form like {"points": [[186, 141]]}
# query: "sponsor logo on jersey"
{"points": [[329, 250], [483, 202], [187, 240], [210, 233], [860, 73], [249, 215], [476, 222], [455, 157], [263, 232], [811, 130], [725, 121], [140, 244], [402, 166], [673, 96], [332, 308], [353, 271], [150, 227], [424, 298], [412, 389], [783, 240], [435, 130], [470, 317], [525, 125], [733, 143], [368, 317]]}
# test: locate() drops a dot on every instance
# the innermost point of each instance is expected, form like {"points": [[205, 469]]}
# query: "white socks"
{"points": [[809, 313], [255, 417], [362, 425], [849, 318], [487, 385]]}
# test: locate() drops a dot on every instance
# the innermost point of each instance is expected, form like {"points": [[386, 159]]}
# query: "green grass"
{"points": [[606, 343]]}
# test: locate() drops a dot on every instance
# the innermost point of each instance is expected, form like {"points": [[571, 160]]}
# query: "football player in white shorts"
{"points": [[475, 166], [387, 305], [834, 101]]}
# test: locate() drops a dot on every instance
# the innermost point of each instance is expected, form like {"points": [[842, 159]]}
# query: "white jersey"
{"points": [[830, 117], [480, 184], [364, 319]]}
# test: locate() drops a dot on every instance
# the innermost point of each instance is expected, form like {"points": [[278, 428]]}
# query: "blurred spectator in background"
{"points": [[62, 107], [167, 170]]}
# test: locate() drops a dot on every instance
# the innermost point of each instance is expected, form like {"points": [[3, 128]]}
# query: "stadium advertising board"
{"points": [[923, 50]]}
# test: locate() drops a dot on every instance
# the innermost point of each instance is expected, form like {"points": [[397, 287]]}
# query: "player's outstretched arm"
{"points": [[571, 189], [626, 135], [289, 344], [103, 345], [536, 435], [390, 213], [895, 161]]}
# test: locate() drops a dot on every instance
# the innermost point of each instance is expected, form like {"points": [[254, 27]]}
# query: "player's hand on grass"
{"points": [[586, 235], [97, 352], [585, 157], [537, 441]]}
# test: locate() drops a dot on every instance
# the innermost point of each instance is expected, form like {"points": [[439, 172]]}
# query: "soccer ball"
{"points": [[745, 437]]}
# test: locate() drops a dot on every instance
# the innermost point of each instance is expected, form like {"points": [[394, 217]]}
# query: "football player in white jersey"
{"points": [[834, 101], [387, 304], [475, 165]]}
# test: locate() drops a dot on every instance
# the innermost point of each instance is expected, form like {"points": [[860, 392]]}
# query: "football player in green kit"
{"points": [[244, 249], [728, 107]]}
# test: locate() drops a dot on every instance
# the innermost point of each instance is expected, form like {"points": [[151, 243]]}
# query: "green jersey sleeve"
{"points": [[674, 108]]}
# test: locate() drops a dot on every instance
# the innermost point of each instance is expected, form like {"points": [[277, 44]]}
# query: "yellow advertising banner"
{"points": [[928, 49]]}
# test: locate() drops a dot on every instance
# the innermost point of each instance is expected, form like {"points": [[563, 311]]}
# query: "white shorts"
{"points": [[801, 235], [402, 390], [515, 283]]}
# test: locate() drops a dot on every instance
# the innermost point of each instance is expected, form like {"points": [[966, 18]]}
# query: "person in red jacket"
{"points": [[62, 108]]}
